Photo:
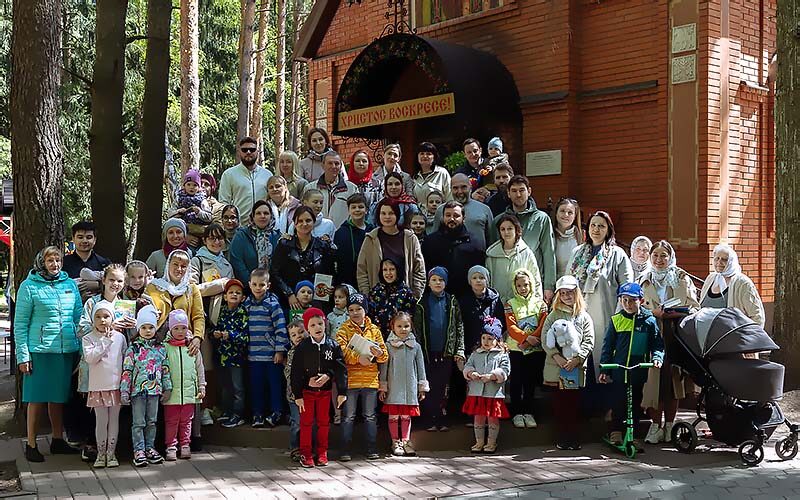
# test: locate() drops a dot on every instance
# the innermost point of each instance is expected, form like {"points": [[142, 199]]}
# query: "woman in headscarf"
{"points": [[663, 280], [394, 192], [253, 245], [600, 267], [230, 223], [281, 202], [640, 255], [173, 236], [288, 168], [48, 309], [727, 286], [361, 173]]}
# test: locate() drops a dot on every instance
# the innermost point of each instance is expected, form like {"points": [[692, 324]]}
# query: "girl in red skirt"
{"points": [[487, 369], [403, 383]]}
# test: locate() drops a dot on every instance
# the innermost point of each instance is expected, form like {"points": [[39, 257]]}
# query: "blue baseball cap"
{"points": [[631, 290]]}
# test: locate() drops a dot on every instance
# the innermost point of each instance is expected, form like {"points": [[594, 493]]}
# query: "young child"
{"points": [[362, 374], [339, 313], [304, 291], [266, 349], [191, 203], [297, 333], [232, 339], [403, 383], [145, 381], [487, 369], [418, 224], [137, 276], [103, 350], [523, 313], [317, 361], [188, 386], [632, 337], [438, 323], [315, 200], [432, 202], [390, 295]]}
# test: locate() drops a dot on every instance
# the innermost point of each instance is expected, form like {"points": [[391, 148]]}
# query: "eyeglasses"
{"points": [[231, 217], [215, 238], [248, 150]]}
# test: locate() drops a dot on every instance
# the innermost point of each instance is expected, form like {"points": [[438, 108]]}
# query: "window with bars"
{"points": [[429, 12]]}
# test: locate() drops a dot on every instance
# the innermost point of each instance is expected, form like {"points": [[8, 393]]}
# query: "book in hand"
{"points": [[674, 305], [569, 379], [361, 345], [124, 308], [323, 286]]}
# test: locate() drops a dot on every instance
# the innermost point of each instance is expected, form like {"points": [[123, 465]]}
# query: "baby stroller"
{"points": [[738, 394]]}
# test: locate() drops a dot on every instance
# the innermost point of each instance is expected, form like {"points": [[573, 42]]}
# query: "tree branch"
{"points": [[134, 38], [80, 77]]}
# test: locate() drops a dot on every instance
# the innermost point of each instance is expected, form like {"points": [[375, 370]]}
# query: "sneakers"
{"points": [[306, 462], [206, 418], [273, 420], [224, 418], [519, 421], [477, 447], [233, 421], [490, 447], [408, 449], [322, 460], [568, 445], [345, 457], [153, 457], [258, 421], [668, 432], [615, 438], [186, 452], [111, 461], [294, 456], [443, 428], [172, 454], [33, 454], [60, 447], [139, 459], [88, 453], [101, 461], [530, 422], [397, 448], [373, 456], [655, 434], [432, 428]]}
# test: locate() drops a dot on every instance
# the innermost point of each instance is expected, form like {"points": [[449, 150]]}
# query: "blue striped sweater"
{"points": [[267, 327]]}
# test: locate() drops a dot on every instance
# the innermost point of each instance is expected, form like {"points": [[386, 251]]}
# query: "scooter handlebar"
{"points": [[614, 366]]}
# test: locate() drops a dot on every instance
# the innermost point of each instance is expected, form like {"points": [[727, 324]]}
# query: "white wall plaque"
{"points": [[684, 69], [684, 38], [321, 123], [543, 163], [321, 108]]}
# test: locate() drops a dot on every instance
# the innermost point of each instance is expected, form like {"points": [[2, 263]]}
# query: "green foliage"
{"points": [[454, 161]]}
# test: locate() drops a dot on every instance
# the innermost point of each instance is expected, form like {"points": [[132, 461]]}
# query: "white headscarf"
{"points": [[645, 266], [165, 284], [733, 268], [667, 277]]}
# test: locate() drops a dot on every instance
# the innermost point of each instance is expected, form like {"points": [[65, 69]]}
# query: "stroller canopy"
{"points": [[715, 332]]}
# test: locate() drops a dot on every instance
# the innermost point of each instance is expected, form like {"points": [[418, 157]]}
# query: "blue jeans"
{"points": [[294, 426], [232, 389], [263, 373], [369, 402], [145, 413]]}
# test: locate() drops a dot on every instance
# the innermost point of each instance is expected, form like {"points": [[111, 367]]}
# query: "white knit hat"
{"points": [[148, 315]]}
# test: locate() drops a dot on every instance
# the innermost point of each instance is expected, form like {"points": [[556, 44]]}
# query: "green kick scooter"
{"points": [[626, 446]]}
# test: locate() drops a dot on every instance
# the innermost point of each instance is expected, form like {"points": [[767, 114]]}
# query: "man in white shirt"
{"points": [[244, 184]]}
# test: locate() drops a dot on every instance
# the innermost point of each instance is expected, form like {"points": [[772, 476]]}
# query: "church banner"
{"points": [[414, 109]]}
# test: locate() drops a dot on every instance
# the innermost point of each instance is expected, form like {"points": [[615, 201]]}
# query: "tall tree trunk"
{"points": [[246, 68], [787, 177], [294, 102], [256, 116], [105, 135], [280, 84], [190, 86], [150, 193], [36, 158]]}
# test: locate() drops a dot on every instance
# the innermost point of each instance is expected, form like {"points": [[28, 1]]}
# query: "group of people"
{"points": [[301, 292]]}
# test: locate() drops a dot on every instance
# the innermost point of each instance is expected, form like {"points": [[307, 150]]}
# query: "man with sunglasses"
{"points": [[244, 184]]}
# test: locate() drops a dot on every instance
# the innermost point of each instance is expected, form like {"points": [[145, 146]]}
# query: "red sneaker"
{"points": [[322, 460], [307, 462]]}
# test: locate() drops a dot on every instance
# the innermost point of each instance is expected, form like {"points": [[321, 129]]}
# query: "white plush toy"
{"points": [[564, 335]]}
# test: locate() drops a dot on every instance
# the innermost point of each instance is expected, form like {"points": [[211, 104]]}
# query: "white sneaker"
{"points": [[530, 422], [519, 421], [655, 434], [667, 432], [397, 448], [206, 418]]}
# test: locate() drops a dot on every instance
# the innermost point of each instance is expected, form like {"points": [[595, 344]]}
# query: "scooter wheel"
{"points": [[684, 437], [786, 448], [630, 450], [751, 453]]}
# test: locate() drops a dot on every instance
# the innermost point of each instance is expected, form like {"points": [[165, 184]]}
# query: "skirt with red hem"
{"points": [[487, 407], [403, 410]]}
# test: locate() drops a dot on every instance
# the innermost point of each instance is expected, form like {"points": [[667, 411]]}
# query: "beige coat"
{"points": [[583, 323], [742, 295], [368, 267]]}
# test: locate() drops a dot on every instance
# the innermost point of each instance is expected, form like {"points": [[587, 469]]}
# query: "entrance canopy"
{"points": [[443, 88]]}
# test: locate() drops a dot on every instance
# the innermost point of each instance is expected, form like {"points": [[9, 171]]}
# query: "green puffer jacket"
{"points": [[187, 374], [46, 317]]}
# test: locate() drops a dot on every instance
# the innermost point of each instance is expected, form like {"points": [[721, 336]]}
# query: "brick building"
{"points": [[660, 109]]}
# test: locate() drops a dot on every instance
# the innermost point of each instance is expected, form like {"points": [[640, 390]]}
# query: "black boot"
{"points": [[60, 447], [33, 454]]}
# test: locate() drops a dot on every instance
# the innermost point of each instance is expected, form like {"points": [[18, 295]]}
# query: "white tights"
{"points": [[106, 429]]}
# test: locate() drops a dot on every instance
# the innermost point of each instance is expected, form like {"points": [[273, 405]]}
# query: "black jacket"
{"points": [[348, 240], [290, 265], [474, 310], [457, 252], [312, 359]]}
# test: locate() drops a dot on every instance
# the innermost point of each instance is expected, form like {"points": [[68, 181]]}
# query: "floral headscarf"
{"points": [[586, 268], [40, 268]]}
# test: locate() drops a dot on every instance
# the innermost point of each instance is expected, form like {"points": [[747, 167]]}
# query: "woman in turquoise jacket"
{"points": [[45, 324], [252, 245]]}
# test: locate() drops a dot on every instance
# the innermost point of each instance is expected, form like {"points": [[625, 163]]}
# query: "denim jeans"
{"points": [[294, 426], [369, 402], [145, 413], [263, 374], [232, 389]]}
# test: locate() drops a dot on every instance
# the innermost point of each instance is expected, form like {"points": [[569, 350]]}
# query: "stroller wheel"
{"points": [[786, 448], [751, 453], [684, 437]]}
